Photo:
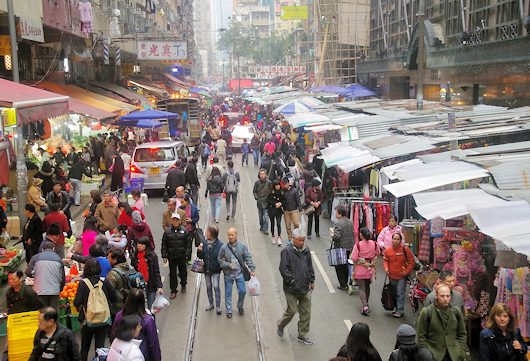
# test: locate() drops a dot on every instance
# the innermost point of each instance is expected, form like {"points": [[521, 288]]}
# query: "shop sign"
{"points": [[9, 116], [294, 13], [31, 29], [162, 50], [5, 45], [266, 71]]}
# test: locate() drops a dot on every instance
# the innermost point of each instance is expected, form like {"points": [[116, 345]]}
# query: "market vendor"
{"points": [[60, 197], [19, 296]]}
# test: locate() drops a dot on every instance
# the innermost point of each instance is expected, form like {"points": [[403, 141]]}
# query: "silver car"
{"points": [[152, 161], [241, 132]]}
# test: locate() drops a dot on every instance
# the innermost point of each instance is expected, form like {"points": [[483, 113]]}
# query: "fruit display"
{"points": [[70, 290]]}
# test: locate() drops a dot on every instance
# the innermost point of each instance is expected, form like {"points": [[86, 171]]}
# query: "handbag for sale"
{"points": [[337, 256], [388, 296], [197, 266]]}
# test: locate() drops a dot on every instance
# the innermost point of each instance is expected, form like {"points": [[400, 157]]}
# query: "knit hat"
{"points": [[406, 335], [54, 230], [137, 217]]}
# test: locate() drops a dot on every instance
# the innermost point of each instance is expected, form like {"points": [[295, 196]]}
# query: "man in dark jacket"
{"points": [[176, 248], [261, 191], [192, 179], [298, 276], [60, 197], [342, 237], [19, 297], [52, 340], [208, 251], [176, 177], [291, 207], [74, 176], [33, 230]]}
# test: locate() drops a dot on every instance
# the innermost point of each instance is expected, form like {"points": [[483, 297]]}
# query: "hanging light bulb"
{"points": [[7, 62]]}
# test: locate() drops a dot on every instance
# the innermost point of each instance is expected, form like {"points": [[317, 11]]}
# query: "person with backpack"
{"points": [[364, 255], [176, 249], [145, 261], [135, 306], [231, 181], [54, 339], [93, 299], [117, 279], [399, 264]]}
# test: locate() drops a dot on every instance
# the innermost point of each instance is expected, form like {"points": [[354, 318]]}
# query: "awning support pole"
{"points": [[22, 171]]}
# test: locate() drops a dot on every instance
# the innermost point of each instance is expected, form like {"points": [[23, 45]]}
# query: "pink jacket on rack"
{"points": [[367, 250], [384, 240]]}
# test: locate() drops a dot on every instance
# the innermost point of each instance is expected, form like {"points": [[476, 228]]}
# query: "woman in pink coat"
{"points": [[384, 240], [364, 254]]}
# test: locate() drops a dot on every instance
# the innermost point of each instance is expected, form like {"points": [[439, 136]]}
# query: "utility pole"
{"points": [[22, 171], [420, 59]]}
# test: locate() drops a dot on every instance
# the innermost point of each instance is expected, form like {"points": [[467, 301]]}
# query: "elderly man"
{"points": [[106, 213], [298, 276], [171, 208], [233, 256], [342, 237], [442, 329], [447, 278], [179, 194]]}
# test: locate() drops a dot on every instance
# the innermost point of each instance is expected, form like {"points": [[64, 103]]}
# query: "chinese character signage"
{"points": [[268, 72], [294, 13], [162, 50], [31, 29]]}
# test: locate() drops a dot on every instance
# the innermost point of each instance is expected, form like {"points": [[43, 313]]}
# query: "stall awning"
{"points": [[123, 92], [454, 203], [509, 223], [361, 160], [78, 107], [149, 87], [32, 104]]}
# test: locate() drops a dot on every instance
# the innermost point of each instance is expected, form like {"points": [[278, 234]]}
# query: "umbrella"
{"points": [[357, 91], [293, 107], [149, 114], [140, 123], [331, 89]]}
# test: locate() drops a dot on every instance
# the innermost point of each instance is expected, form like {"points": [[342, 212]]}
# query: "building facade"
{"points": [[476, 51]]}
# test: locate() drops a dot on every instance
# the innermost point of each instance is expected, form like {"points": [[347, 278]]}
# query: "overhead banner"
{"points": [[294, 13], [162, 50], [5, 45]]}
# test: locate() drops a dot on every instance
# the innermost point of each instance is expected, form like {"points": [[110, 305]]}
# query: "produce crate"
{"points": [[75, 326], [64, 307], [63, 320], [73, 310], [21, 328], [137, 183]]}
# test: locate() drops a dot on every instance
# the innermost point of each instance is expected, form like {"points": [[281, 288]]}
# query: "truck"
{"points": [[188, 110]]}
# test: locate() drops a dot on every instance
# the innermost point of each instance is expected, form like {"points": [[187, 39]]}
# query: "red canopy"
{"points": [[32, 104]]}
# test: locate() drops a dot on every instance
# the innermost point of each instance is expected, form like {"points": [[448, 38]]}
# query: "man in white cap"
{"points": [[176, 248]]}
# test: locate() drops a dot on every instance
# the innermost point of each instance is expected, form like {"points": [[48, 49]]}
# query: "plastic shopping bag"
{"points": [[303, 223], [253, 287], [160, 303]]}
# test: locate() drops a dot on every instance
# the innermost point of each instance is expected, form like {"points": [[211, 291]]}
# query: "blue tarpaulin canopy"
{"points": [[149, 114], [331, 89], [140, 123], [357, 91]]}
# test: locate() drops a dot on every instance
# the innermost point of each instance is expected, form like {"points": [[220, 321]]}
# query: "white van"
{"points": [[152, 161]]}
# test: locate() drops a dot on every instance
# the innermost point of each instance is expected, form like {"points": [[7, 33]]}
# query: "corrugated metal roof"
{"points": [[512, 175], [509, 194], [412, 146], [416, 171]]}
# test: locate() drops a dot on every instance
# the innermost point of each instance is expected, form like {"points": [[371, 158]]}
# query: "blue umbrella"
{"points": [[149, 114], [357, 91], [331, 89]]}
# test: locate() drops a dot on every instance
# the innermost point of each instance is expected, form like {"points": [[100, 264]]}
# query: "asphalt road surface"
{"points": [[243, 337]]}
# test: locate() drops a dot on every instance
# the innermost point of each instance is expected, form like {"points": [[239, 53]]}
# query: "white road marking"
{"points": [[327, 281], [349, 324]]}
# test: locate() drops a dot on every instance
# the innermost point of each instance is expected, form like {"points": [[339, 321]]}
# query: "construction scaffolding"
{"points": [[336, 37]]}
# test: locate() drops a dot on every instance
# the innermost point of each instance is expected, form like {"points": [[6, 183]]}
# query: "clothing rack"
{"points": [[362, 200]]}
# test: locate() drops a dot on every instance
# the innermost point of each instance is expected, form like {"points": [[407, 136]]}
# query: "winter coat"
{"points": [[155, 281], [63, 199], [424, 354], [33, 230], [292, 200], [107, 216], [343, 234], [296, 268], [261, 192], [494, 346], [47, 181], [274, 197], [313, 194], [35, 197], [176, 243], [194, 215], [77, 171], [117, 281], [65, 347], [432, 334], [150, 345], [47, 270], [191, 175], [24, 300], [176, 177], [209, 255], [125, 351], [384, 240], [81, 297], [62, 221], [367, 250], [215, 185], [398, 261], [137, 231]]}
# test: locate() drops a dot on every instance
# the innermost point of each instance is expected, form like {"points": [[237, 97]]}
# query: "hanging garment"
{"points": [[379, 218], [355, 222], [85, 17], [374, 179], [424, 254]]}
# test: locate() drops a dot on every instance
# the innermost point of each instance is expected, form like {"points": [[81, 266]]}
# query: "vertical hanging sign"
{"points": [[118, 56], [106, 54]]}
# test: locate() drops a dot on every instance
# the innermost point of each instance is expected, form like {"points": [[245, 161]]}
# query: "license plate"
{"points": [[154, 170]]}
